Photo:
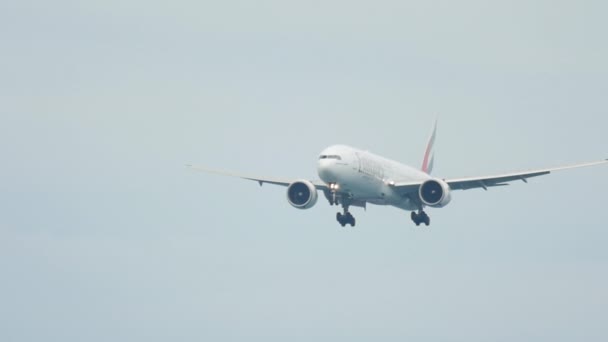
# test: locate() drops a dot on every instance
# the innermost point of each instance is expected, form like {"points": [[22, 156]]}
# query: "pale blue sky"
{"points": [[105, 236]]}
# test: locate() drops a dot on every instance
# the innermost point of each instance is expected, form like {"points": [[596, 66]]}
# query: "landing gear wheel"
{"points": [[346, 218], [420, 217], [341, 219], [350, 219], [415, 218]]}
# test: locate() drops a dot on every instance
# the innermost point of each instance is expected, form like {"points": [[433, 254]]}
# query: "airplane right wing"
{"points": [[261, 180]]}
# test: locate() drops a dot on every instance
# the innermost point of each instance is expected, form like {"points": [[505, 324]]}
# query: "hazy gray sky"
{"points": [[105, 236]]}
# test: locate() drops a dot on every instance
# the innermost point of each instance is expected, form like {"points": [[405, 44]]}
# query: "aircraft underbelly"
{"points": [[374, 191], [367, 188], [364, 186]]}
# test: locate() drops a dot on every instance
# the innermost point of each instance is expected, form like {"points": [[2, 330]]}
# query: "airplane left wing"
{"points": [[405, 188], [261, 180], [486, 182]]}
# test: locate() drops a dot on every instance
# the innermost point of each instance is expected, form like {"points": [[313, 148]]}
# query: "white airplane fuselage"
{"points": [[366, 176]]}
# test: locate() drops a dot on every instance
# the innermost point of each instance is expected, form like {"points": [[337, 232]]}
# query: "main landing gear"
{"points": [[420, 217], [346, 218]]}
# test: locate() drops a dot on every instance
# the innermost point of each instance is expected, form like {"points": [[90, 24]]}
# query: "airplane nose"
{"points": [[326, 172]]}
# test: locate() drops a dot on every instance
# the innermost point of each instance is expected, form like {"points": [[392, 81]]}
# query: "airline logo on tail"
{"points": [[429, 154]]}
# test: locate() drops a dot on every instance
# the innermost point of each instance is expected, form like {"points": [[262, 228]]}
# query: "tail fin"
{"points": [[429, 153]]}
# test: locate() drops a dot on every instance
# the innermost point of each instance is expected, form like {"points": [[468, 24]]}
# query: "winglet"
{"points": [[429, 153]]}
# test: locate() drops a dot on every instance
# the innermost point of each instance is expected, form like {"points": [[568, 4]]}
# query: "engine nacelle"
{"points": [[302, 194], [435, 193]]}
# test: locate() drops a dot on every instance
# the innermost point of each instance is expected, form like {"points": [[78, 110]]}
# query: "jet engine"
{"points": [[302, 194], [435, 193]]}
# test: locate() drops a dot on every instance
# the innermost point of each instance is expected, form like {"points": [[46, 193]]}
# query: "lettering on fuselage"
{"points": [[370, 167]]}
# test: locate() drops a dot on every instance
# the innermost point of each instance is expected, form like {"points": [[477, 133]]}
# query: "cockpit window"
{"points": [[330, 156]]}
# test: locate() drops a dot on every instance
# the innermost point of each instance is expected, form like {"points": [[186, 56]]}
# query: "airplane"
{"points": [[350, 177]]}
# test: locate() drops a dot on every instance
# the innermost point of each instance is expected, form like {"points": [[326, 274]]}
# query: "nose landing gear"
{"points": [[332, 196]]}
